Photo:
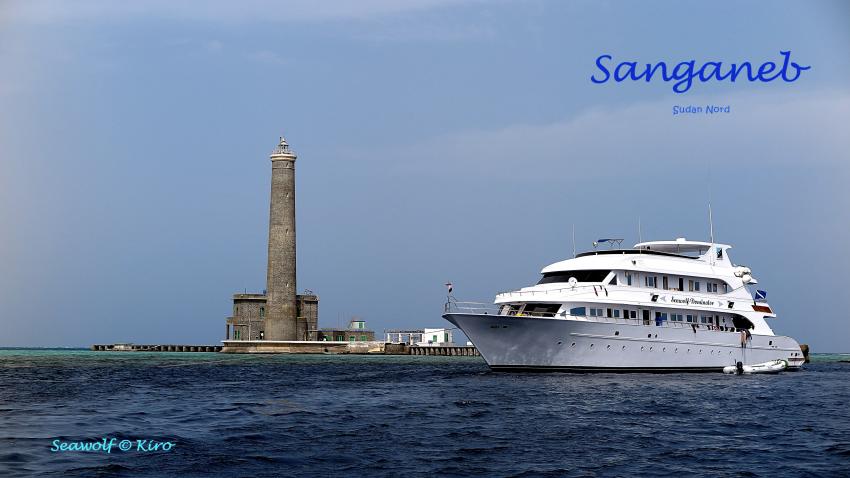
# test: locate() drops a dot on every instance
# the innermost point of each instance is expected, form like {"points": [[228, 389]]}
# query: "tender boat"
{"points": [[774, 366], [661, 306]]}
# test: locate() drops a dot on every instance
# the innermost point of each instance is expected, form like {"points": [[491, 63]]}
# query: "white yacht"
{"points": [[662, 306]]}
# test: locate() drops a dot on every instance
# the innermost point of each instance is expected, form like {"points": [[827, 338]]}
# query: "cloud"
{"points": [[63, 11], [268, 57]]}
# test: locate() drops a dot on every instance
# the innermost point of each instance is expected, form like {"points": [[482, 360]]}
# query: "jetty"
{"points": [[342, 347], [154, 348], [299, 347]]}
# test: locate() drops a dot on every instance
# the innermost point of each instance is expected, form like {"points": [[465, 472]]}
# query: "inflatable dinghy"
{"points": [[774, 366]]}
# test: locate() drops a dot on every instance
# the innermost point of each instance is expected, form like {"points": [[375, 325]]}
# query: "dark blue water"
{"points": [[412, 416]]}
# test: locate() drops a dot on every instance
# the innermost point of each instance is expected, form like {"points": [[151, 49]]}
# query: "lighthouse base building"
{"points": [[249, 313]]}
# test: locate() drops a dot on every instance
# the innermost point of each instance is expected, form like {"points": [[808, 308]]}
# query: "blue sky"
{"points": [[437, 140]]}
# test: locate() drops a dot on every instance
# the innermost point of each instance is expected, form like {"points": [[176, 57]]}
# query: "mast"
{"points": [[574, 240]]}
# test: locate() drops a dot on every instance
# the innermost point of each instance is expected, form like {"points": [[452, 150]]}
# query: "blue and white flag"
{"points": [[760, 295]]}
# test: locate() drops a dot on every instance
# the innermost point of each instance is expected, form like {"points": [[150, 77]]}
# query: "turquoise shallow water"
{"points": [[322, 415]]}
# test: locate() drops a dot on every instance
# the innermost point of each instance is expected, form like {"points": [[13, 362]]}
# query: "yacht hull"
{"points": [[511, 343]]}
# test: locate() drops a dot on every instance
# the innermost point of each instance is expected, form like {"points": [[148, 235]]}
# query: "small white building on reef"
{"points": [[421, 337]]}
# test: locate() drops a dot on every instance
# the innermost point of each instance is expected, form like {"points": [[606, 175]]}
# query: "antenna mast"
{"points": [[710, 224], [574, 240], [640, 234]]}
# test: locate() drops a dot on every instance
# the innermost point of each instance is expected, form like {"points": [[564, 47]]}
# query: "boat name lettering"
{"points": [[691, 301]]}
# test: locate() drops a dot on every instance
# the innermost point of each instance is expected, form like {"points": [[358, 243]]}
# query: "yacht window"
{"points": [[541, 309], [613, 280], [665, 283], [705, 319], [596, 312], [594, 275], [610, 313], [691, 285], [681, 284], [712, 287], [616, 313], [578, 311], [690, 318], [633, 314], [650, 281], [676, 317], [513, 309], [696, 286], [625, 313], [628, 279], [725, 288]]}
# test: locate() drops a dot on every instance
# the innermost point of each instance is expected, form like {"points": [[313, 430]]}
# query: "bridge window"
{"points": [[578, 311], [595, 275], [541, 309]]}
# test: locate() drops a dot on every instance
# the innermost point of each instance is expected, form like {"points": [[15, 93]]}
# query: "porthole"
{"points": [[700, 350], [607, 346], [656, 336], [573, 344], [559, 342], [770, 343], [591, 345], [650, 349], [641, 349], [624, 347], [676, 350], [649, 336], [664, 349], [616, 332]]}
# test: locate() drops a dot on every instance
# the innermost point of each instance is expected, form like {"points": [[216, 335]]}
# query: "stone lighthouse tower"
{"points": [[281, 310]]}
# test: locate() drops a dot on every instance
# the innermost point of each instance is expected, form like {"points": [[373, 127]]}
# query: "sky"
{"points": [[437, 140]]}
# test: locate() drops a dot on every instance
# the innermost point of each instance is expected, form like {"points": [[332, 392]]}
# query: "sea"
{"points": [[408, 416]]}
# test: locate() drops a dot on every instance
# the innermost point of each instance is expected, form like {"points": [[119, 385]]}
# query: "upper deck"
{"points": [[677, 256]]}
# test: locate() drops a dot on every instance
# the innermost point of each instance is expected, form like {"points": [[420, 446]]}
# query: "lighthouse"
{"points": [[281, 312]]}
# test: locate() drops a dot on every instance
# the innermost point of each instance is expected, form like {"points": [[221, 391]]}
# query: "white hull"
{"points": [[542, 344]]}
